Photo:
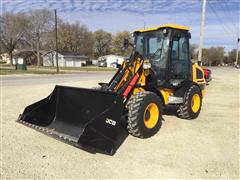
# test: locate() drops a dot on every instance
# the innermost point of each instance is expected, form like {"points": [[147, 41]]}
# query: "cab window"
{"points": [[179, 59]]}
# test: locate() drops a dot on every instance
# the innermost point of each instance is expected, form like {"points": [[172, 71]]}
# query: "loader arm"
{"points": [[128, 75]]}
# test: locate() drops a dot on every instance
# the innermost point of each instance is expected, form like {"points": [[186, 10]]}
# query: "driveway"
{"points": [[207, 147], [28, 79]]}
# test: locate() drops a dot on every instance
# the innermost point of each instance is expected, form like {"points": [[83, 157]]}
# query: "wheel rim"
{"points": [[195, 103], [151, 115]]}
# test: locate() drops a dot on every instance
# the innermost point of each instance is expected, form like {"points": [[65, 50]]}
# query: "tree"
{"points": [[12, 32], [1, 48], [232, 56], [117, 43], [205, 56], [48, 41], [217, 55], [193, 51], [102, 43], [75, 38], [225, 60], [213, 56], [41, 22]]}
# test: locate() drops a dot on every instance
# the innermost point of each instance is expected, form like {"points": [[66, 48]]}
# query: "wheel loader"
{"points": [[158, 74]]}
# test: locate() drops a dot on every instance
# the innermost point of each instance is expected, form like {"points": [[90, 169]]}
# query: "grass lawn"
{"points": [[8, 69]]}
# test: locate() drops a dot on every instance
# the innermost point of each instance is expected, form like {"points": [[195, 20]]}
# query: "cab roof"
{"points": [[173, 26]]}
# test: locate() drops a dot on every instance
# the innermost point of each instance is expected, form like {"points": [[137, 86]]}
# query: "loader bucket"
{"points": [[86, 118]]}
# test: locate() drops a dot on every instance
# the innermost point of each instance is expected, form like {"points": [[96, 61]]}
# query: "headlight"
{"points": [[146, 65]]}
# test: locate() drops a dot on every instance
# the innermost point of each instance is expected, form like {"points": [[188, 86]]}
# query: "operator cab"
{"points": [[167, 49]]}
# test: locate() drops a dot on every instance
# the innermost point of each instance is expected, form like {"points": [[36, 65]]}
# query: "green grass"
{"points": [[85, 68], [9, 69], [6, 71]]}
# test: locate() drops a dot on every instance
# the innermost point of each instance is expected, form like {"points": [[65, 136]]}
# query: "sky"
{"points": [[222, 21]]}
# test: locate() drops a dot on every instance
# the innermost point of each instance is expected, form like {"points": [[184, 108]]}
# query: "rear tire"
{"points": [[191, 107], [144, 114]]}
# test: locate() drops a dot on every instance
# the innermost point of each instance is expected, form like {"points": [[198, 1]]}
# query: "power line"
{"points": [[219, 19], [228, 15], [230, 12]]}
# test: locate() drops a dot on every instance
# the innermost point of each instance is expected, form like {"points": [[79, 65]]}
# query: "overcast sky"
{"points": [[221, 26]]}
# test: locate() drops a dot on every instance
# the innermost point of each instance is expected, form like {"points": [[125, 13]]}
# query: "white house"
{"points": [[5, 58], [28, 56], [65, 59], [112, 60]]}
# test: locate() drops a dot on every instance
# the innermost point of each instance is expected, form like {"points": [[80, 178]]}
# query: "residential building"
{"points": [[28, 56], [65, 59]]}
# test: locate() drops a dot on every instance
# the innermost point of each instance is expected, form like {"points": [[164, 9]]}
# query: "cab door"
{"points": [[179, 58]]}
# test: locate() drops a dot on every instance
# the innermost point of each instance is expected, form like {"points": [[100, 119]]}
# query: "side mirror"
{"points": [[125, 43]]}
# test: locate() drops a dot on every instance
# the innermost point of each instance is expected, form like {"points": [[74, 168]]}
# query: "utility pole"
{"points": [[201, 31], [236, 63], [56, 39], [144, 22]]}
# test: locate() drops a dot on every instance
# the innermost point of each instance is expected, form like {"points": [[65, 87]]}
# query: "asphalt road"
{"points": [[18, 80], [204, 148]]}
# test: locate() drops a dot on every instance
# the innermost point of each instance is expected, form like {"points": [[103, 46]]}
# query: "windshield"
{"points": [[152, 46]]}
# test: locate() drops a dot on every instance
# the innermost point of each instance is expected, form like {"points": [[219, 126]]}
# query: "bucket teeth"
{"points": [[47, 131]]}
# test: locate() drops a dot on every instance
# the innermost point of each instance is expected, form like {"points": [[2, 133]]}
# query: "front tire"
{"points": [[144, 114], [191, 107]]}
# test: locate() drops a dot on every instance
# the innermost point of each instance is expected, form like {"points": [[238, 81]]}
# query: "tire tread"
{"points": [[183, 110], [134, 104]]}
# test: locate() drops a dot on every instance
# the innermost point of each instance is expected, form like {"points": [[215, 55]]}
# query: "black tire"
{"points": [[137, 113], [185, 111]]}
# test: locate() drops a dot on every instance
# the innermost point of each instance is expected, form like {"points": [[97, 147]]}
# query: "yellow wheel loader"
{"points": [[158, 74]]}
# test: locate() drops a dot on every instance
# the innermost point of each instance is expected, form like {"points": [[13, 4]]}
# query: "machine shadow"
{"points": [[170, 110]]}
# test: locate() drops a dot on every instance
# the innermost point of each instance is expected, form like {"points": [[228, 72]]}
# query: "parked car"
{"points": [[115, 65], [207, 74], [236, 66], [102, 63]]}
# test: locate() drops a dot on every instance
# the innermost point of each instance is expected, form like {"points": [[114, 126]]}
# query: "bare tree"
{"points": [[102, 43], [41, 22], [213, 56], [193, 52], [13, 30], [232, 56], [1, 48]]}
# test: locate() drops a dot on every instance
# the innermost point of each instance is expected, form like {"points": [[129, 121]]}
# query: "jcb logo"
{"points": [[111, 122]]}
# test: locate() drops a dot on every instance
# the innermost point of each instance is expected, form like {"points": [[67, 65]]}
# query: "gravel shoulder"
{"points": [[207, 147]]}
